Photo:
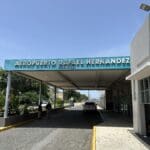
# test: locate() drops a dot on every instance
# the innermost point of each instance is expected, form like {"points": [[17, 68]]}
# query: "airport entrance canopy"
{"points": [[73, 73]]}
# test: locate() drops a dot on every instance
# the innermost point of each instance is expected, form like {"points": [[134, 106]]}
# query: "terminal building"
{"points": [[140, 78]]}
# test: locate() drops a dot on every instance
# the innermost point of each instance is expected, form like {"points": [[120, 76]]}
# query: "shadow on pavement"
{"points": [[67, 119], [114, 119], [143, 139], [73, 118]]}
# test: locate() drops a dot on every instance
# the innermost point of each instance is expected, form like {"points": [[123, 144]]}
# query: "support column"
{"points": [[55, 90], [40, 93], [7, 98], [109, 99], [139, 123]]}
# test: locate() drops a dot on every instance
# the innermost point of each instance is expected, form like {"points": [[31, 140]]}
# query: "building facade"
{"points": [[140, 79]]}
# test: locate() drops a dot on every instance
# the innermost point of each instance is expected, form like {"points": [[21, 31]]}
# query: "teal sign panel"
{"points": [[97, 63]]}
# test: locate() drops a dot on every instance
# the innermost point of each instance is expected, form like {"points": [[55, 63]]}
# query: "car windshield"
{"points": [[89, 103]]}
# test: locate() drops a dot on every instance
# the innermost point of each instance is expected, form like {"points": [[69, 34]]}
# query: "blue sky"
{"points": [[68, 28]]}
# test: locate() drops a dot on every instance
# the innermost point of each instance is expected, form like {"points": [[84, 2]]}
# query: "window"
{"points": [[145, 90]]}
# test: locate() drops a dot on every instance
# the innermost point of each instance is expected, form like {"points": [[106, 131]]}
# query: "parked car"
{"points": [[89, 106], [44, 106]]}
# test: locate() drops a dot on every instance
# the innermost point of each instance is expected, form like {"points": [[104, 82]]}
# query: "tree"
{"points": [[75, 95], [2, 100], [3, 77], [22, 89]]}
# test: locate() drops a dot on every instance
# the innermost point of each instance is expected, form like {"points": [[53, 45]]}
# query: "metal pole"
{"points": [[63, 95], [88, 95], [40, 93], [7, 98]]}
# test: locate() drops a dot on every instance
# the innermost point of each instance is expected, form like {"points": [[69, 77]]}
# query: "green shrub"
{"points": [[59, 103], [29, 97], [23, 109], [2, 100]]}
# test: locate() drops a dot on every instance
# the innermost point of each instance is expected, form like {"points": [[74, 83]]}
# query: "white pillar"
{"points": [[7, 98], [138, 110], [105, 100], [40, 93], [141, 109]]}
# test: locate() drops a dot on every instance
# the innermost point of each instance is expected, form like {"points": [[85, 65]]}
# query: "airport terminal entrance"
{"points": [[100, 73]]}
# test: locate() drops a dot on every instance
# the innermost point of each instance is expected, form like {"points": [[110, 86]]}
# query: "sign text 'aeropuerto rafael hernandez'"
{"points": [[96, 63]]}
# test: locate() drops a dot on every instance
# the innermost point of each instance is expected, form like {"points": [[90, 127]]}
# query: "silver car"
{"points": [[89, 106]]}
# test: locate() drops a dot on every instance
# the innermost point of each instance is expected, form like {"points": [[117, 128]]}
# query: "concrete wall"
{"points": [[15, 119], [140, 46], [140, 54], [2, 121]]}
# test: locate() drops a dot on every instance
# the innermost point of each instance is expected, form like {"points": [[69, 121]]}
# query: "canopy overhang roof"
{"points": [[74, 73], [140, 73]]}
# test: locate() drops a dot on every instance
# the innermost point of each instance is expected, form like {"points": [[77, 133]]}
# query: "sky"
{"points": [[68, 28]]}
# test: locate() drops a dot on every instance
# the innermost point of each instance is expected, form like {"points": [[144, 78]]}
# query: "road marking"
{"points": [[93, 147], [14, 125]]}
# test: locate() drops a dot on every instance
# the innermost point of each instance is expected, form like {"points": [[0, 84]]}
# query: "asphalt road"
{"points": [[69, 129]]}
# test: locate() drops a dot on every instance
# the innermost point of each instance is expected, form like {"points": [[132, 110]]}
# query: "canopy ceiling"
{"points": [[99, 79]]}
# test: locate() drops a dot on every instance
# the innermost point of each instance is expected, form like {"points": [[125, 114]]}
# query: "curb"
{"points": [[15, 125], [93, 146]]}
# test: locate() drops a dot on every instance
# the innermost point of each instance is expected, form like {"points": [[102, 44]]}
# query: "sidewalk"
{"points": [[116, 133]]}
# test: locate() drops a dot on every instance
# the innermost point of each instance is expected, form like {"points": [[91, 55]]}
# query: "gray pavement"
{"points": [[70, 129], [116, 133]]}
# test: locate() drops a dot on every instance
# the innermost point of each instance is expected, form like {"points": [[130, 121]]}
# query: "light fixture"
{"points": [[145, 7]]}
